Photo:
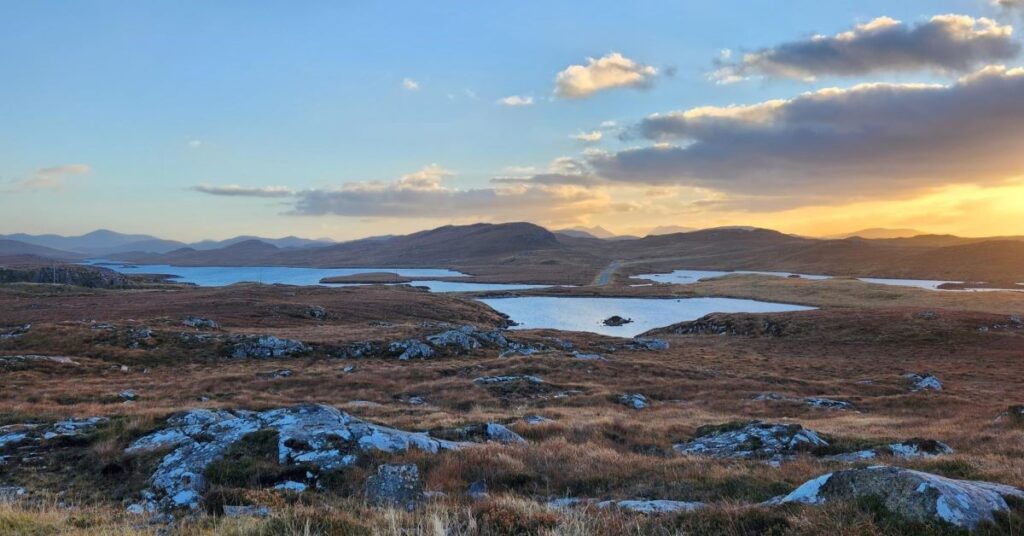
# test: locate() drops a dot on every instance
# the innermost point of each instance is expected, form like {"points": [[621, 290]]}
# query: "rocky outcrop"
{"points": [[410, 349], [812, 401], [31, 433], [650, 345], [753, 439], [640, 506], [66, 274], [498, 380], [923, 382], [725, 324], [316, 312], [616, 320], [634, 400], [316, 436], [914, 495], [8, 334], [395, 485], [911, 448], [480, 433], [265, 346], [199, 323]]}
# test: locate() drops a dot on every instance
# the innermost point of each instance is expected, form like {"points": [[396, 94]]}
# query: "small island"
{"points": [[367, 278]]}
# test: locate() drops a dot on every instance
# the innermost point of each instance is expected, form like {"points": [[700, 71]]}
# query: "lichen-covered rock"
{"points": [[199, 322], [492, 380], [9, 494], [656, 345], [314, 435], [754, 439], [395, 485], [14, 333], [828, 403], [266, 346], [634, 400], [652, 506], [455, 339], [480, 433], [410, 349], [909, 449], [914, 495], [316, 312], [923, 382]]}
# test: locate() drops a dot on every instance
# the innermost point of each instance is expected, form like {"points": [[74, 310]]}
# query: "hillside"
{"points": [[14, 247]]}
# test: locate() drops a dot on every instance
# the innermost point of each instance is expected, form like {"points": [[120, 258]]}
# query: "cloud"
{"points": [[1009, 4], [947, 43], [410, 84], [234, 190], [422, 195], [588, 137], [52, 178], [870, 139], [516, 100], [609, 72], [194, 144]]}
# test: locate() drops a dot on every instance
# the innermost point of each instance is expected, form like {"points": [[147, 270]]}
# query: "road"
{"points": [[606, 275]]}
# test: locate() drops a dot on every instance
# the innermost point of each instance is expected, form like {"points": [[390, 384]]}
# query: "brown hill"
{"points": [[10, 248]]}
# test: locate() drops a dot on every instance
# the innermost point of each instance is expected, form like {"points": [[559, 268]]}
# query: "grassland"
{"points": [[855, 348]]}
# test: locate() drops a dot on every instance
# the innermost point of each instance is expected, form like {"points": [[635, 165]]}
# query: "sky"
{"points": [[194, 119]]}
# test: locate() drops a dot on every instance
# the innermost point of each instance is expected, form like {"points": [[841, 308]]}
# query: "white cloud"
{"points": [[608, 72], [588, 137], [52, 178], [956, 43], [516, 100], [410, 84]]}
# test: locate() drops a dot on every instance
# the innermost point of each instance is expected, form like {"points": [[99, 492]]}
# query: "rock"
{"points": [[477, 490], [313, 435], [416, 400], [73, 427], [291, 485], [727, 324], [754, 439], [1016, 414], [14, 333], [652, 507], [359, 349], [616, 320], [266, 346], [200, 323], [127, 395], [349, 369], [927, 315], [769, 397], [479, 433], [533, 420], [316, 312], [913, 495], [492, 380], [917, 448], [454, 339], [395, 485], [634, 400], [274, 374], [9, 494], [501, 434], [141, 332], [245, 511], [410, 349], [588, 357], [657, 345], [1016, 321], [923, 382], [828, 403]]}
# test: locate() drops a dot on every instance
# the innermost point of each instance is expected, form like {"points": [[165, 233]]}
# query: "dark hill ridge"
{"points": [[14, 247], [523, 252]]}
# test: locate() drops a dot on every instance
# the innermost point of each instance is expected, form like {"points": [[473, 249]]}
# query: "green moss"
{"points": [[252, 462]]}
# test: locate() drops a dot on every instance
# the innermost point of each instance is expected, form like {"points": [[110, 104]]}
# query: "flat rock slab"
{"points": [[914, 495]]}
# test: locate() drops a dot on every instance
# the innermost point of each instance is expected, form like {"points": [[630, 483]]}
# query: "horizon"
{"points": [[346, 122]]}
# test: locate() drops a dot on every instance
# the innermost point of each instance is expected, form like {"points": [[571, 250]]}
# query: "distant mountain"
{"points": [[587, 232], [104, 242], [669, 229], [14, 248], [286, 242], [98, 243], [875, 233]]}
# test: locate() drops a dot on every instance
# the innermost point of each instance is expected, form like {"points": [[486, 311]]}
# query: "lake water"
{"points": [[686, 277], [587, 314], [219, 276]]}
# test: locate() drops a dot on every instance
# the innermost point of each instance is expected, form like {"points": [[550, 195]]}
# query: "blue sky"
{"points": [[155, 98]]}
